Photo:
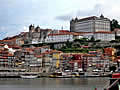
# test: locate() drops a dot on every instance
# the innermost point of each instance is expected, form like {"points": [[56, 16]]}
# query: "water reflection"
{"points": [[53, 84]]}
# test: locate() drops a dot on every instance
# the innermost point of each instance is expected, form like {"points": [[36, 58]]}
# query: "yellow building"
{"points": [[56, 58], [113, 54]]}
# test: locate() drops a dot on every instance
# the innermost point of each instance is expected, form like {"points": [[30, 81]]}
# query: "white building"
{"points": [[90, 24], [77, 36], [104, 36], [59, 37], [87, 35], [101, 35]]}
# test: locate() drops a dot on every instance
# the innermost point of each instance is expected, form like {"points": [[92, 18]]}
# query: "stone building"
{"points": [[104, 36], [90, 24], [59, 37], [37, 35]]}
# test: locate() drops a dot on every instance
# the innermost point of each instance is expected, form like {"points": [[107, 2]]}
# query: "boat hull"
{"points": [[29, 77]]}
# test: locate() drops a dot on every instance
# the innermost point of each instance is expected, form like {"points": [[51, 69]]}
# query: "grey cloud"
{"points": [[64, 17], [97, 10]]}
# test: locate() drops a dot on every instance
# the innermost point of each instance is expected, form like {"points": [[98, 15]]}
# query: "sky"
{"points": [[17, 15]]}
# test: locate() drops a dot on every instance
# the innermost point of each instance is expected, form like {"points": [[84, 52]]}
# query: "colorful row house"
{"points": [[7, 59], [84, 62]]}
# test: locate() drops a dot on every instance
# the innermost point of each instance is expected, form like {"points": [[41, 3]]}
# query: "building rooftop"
{"points": [[89, 18], [105, 32]]}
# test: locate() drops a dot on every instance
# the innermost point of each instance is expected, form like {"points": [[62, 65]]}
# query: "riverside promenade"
{"points": [[17, 74]]}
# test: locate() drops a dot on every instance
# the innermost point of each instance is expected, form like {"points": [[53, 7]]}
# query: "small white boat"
{"points": [[29, 75], [61, 75], [95, 74]]}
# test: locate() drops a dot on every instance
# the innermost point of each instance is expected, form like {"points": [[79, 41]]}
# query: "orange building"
{"points": [[110, 52]]}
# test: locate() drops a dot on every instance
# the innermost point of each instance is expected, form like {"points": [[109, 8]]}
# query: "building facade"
{"points": [[37, 35], [90, 24], [62, 37], [104, 36], [100, 35]]}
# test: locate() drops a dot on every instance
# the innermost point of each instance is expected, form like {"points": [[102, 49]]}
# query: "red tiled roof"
{"points": [[74, 61], [3, 57], [82, 33], [118, 57], [10, 54], [116, 29], [40, 47], [55, 51], [56, 34], [92, 51], [76, 34], [45, 47], [85, 46], [51, 52], [4, 52], [5, 40], [39, 56], [90, 55], [14, 46], [8, 41], [46, 53], [2, 44], [105, 32], [29, 49]]}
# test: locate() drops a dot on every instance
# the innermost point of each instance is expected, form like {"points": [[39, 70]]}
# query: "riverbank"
{"points": [[41, 75]]}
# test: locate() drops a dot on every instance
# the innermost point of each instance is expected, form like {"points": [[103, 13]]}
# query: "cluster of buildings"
{"points": [[44, 59], [97, 27], [29, 51], [35, 59]]}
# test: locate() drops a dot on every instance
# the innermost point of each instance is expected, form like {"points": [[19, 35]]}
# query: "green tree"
{"points": [[68, 44], [81, 41], [114, 24], [98, 40], [92, 39]]}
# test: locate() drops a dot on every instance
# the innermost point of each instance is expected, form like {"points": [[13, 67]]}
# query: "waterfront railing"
{"points": [[114, 84]]}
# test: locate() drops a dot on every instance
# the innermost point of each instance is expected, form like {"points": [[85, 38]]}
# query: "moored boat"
{"points": [[64, 75], [60, 75], [29, 75], [88, 74]]}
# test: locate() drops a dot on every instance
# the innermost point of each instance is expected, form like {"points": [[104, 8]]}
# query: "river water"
{"points": [[53, 83]]}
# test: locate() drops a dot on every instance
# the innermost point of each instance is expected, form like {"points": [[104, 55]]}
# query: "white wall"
{"points": [[59, 38]]}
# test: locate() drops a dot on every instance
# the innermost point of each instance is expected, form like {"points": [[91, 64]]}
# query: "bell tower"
{"points": [[31, 28]]}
